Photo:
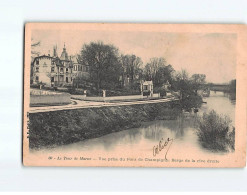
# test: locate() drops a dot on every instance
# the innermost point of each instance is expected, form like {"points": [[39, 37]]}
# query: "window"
{"points": [[52, 69], [145, 87], [67, 70], [61, 69], [75, 68], [37, 61], [71, 78], [37, 69], [52, 79], [67, 79], [37, 78]]}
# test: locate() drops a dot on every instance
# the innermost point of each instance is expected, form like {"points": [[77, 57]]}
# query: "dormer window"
{"points": [[37, 69]]}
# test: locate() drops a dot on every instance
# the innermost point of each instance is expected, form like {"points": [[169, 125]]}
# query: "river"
{"points": [[140, 141]]}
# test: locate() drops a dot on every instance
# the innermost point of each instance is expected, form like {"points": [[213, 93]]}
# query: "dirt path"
{"points": [[78, 104]]}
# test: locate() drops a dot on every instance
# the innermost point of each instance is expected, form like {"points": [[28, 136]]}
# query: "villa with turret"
{"points": [[57, 71]]}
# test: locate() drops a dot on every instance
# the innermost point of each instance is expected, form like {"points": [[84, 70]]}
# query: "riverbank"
{"points": [[49, 129]]}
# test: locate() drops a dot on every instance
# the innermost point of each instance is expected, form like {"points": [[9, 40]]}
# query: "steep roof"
{"points": [[64, 55]]}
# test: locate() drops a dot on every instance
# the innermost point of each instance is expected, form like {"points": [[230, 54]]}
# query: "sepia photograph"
{"points": [[142, 95]]}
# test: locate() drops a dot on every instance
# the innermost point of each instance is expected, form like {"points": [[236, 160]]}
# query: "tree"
{"points": [[103, 62], [131, 67], [33, 46], [198, 80], [164, 74], [182, 75], [188, 97], [152, 68], [232, 86]]}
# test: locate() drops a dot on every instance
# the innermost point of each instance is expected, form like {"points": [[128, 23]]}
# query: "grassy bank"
{"points": [[69, 126]]}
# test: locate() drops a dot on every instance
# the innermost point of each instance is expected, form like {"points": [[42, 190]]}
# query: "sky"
{"points": [[212, 54]]}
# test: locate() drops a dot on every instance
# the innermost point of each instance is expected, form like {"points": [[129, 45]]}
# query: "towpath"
{"points": [[78, 104]]}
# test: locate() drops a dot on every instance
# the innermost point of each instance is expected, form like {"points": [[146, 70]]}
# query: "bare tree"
{"points": [[182, 75], [198, 80], [131, 65], [152, 68], [33, 46]]}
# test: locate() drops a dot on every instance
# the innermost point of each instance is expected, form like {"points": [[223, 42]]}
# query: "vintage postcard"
{"points": [[135, 95]]}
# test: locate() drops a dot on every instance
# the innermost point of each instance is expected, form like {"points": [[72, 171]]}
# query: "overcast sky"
{"points": [[211, 54]]}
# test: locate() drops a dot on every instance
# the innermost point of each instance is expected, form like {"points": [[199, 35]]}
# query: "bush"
{"points": [[216, 133], [160, 90], [146, 93], [122, 92], [190, 101]]}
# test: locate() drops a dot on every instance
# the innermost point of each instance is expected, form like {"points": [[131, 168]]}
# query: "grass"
{"points": [[216, 133]]}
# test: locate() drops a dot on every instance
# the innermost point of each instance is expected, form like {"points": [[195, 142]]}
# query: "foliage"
{"points": [[188, 95], [146, 93], [33, 46], [160, 90], [232, 86], [190, 101], [103, 60], [157, 71], [131, 68], [122, 92], [198, 80], [215, 132]]}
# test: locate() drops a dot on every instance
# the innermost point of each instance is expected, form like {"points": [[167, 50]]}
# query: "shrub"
{"points": [[146, 93], [122, 92], [190, 101], [215, 132]]}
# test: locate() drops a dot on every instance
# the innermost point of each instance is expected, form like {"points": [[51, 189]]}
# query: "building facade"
{"points": [[57, 71]]}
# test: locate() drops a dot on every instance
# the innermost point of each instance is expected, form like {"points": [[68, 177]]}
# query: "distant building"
{"points": [[57, 71]]}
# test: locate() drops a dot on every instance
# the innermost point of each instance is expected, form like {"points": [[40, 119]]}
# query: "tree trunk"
{"points": [[98, 82]]}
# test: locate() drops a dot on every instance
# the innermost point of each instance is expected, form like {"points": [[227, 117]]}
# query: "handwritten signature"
{"points": [[163, 144]]}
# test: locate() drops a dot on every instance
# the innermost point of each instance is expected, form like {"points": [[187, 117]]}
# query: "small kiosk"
{"points": [[147, 88]]}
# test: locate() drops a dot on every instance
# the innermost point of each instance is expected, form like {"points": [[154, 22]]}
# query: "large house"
{"points": [[57, 71]]}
